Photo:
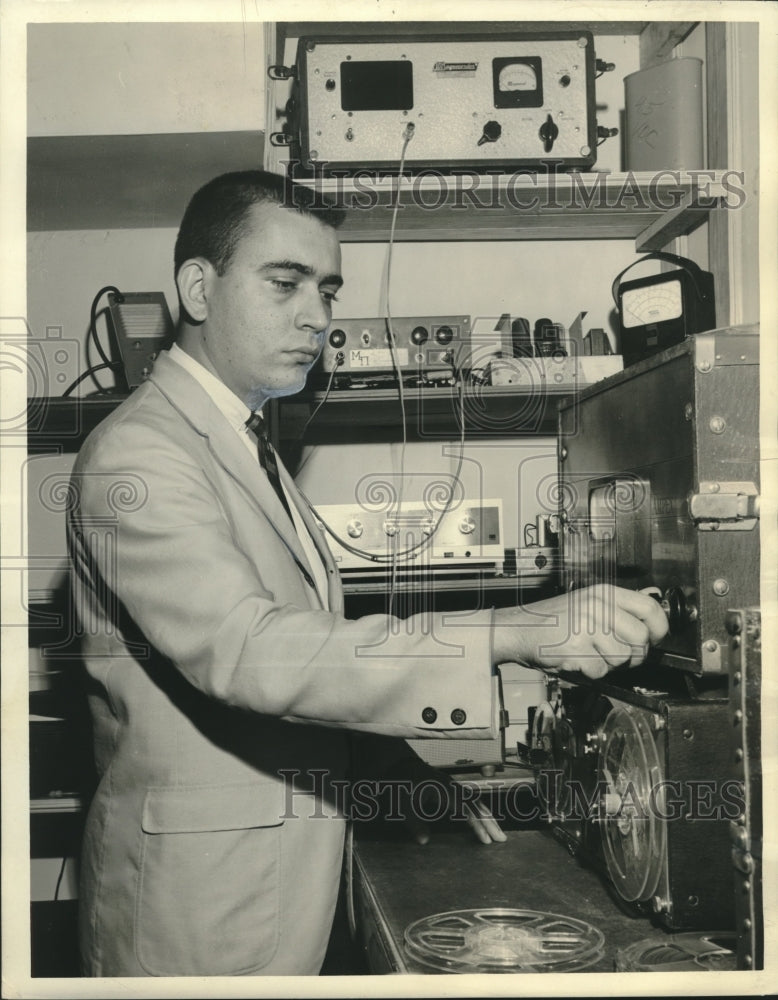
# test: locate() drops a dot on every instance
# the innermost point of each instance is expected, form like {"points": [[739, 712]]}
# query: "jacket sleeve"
{"points": [[167, 557]]}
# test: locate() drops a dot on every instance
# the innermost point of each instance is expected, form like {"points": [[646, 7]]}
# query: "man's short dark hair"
{"points": [[216, 216]]}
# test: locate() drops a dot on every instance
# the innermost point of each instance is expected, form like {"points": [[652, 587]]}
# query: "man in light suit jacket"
{"points": [[219, 659]]}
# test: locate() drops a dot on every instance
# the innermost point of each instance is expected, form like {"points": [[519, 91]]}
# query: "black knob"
{"points": [[444, 335], [337, 338], [419, 335], [675, 606], [330, 84], [491, 133], [549, 131]]}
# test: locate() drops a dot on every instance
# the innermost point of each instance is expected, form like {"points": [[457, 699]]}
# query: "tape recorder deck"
{"points": [[637, 783]]}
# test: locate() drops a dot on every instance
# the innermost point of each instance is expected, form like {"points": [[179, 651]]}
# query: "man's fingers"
{"points": [[485, 826], [646, 609]]}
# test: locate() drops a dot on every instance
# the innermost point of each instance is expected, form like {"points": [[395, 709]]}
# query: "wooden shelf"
{"points": [[657, 38], [639, 206], [127, 181], [60, 424], [431, 413]]}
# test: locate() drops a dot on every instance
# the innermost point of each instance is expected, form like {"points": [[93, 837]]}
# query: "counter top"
{"points": [[398, 881]]}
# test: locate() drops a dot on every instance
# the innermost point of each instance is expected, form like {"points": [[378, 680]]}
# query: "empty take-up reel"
{"points": [[503, 940]]}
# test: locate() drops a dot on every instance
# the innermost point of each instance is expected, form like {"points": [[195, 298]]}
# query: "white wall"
{"points": [[130, 79]]}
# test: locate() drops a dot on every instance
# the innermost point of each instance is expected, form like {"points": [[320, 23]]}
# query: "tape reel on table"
{"points": [[503, 940], [634, 835], [681, 953]]}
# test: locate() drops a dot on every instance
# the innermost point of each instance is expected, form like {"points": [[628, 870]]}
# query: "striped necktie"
{"points": [[267, 458]]}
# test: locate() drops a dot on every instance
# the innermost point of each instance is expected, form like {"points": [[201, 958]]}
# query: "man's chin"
{"points": [[287, 390]]}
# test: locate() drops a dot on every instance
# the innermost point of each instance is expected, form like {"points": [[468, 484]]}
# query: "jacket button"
{"points": [[458, 716], [429, 715]]}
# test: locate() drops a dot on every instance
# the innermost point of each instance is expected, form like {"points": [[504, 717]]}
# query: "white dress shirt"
{"points": [[237, 413]]}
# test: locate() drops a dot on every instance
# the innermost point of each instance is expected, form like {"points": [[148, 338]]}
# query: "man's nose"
{"points": [[314, 313]]}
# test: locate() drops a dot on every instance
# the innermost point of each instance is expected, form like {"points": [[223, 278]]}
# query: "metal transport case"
{"points": [[659, 484]]}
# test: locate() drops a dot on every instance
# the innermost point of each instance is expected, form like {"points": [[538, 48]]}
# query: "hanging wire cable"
{"points": [[408, 134], [339, 359], [90, 371], [92, 335]]}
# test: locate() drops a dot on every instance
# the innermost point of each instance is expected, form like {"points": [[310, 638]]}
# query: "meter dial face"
{"points": [[517, 76], [652, 304], [517, 82]]}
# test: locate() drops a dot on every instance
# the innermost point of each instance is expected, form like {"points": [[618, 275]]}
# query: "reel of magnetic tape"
{"points": [[639, 787], [503, 940]]}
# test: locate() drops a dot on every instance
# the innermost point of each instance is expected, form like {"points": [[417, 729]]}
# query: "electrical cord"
{"points": [[60, 877], [90, 371], [92, 337], [92, 334], [339, 360], [93, 320], [408, 134], [393, 559], [425, 542]]}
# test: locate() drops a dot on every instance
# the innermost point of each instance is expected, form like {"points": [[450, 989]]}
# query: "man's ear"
{"points": [[192, 282]]}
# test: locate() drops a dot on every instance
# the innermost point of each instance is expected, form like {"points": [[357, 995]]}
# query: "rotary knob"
{"points": [[467, 525], [549, 131], [355, 529]]}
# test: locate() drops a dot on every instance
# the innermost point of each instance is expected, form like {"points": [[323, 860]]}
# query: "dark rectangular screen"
{"points": [[380, 85]]}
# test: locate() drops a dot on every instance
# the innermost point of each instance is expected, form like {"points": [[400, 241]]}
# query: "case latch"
{"points": [[725, 506]]}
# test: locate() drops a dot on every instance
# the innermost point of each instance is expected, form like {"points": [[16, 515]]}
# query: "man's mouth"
{"points": [[304, 356]]}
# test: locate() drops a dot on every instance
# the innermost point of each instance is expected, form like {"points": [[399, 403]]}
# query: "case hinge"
{"points": [[725, 506]]}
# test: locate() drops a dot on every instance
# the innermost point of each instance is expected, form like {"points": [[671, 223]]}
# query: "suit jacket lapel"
{"points": [[334, 586], [194, 404]]}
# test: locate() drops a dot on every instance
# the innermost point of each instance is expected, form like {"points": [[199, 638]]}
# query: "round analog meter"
{"points": [[651, 304], [517, 76]]}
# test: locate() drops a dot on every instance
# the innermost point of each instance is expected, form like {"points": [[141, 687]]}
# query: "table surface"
{"points": [[531, 871]]}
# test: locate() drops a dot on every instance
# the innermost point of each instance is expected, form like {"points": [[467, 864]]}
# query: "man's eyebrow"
{"points": [[304, 269]]}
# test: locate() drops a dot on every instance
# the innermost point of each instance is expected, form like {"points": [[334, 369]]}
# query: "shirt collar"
{"points": [[233, 408]]}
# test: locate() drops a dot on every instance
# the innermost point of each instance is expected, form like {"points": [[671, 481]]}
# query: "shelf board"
{"points": [[640, 206], [59, 424], [127, 181], [429, 29], [145, 181], [440, 584], [356, 414]]}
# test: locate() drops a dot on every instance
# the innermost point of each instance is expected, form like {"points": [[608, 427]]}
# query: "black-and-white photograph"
{"points": [[388, 482]]}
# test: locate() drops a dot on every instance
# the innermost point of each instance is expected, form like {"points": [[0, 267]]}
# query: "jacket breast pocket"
{"points": [[208, 893]]}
